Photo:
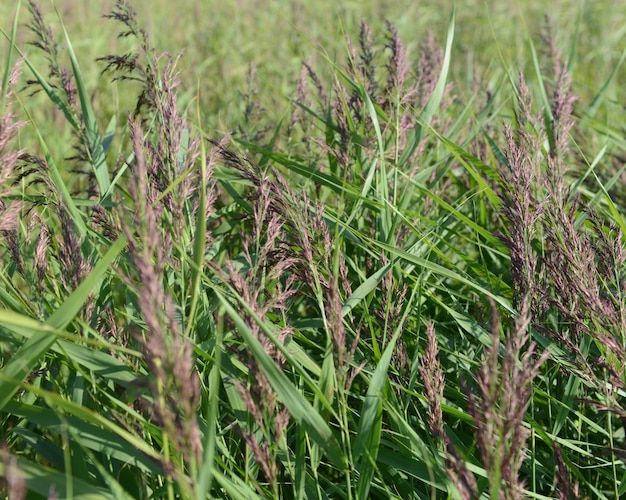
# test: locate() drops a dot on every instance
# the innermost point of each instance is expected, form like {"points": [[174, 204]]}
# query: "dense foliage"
{"points": [[389, 281]]}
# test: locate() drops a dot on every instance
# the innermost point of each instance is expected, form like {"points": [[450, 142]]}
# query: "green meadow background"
{"points": [[219, 40]]}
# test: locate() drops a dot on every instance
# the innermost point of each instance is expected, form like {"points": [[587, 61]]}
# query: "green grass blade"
{"points": [[471, 164], [448, 273], [50, 91], [300, 409], [7, 66], [205, 476], [95, 142], [235, 488], [367, 441], [368, 286], [57, 180], [42, 481], [88, 435], [598, 98], [435, 99], [89, 356], [29, 354], [199, 238]]}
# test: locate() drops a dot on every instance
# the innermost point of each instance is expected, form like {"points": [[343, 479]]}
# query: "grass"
{"points": [[361, 259]]}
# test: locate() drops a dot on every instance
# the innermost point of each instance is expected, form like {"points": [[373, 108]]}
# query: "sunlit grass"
{"points": [[307, 253]]}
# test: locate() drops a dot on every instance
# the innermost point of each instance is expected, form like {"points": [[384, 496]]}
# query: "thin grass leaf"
{"points": [[382, 188], [199, 237], [42, 481], [367, 441], [235, 488], [69, 346], [88, 435], [57, 180], [435, 99], [31, 352], [95, 148], [205, 476], [364, 289], [591, 111], [471, 164], [444, 271], [7, 66], [109, 135], [89, 416], [50, 91], [300, 409]]}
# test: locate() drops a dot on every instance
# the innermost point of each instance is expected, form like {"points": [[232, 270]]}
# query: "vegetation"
{"points": [[324, 263]]}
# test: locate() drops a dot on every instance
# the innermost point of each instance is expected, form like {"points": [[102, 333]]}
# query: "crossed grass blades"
{"points": [[399, 292]]}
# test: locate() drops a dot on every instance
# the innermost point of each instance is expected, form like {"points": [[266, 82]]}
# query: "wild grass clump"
{"points": [[408, 287]]}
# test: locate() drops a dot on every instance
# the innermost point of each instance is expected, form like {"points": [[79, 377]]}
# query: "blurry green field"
{"points": [[219, 40]]}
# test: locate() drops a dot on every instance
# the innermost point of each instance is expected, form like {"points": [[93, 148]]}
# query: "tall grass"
{"points": [[402, 281]]}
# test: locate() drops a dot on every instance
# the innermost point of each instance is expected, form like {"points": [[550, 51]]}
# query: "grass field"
{"points": [[270, 250]]}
